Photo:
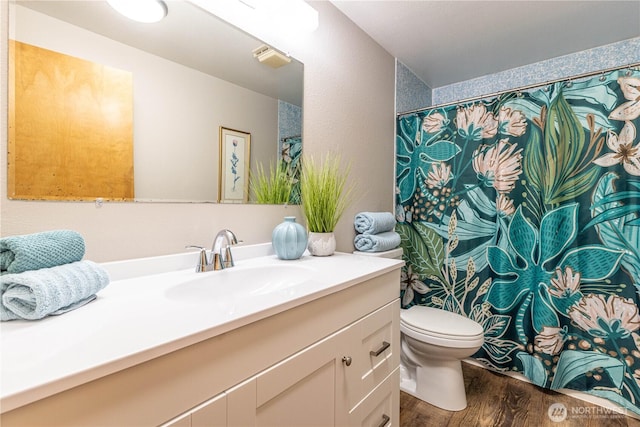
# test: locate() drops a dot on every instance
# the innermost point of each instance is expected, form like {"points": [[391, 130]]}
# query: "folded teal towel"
{"points": [[377, 242], [374, 222], [40, 250], [35, 294]]}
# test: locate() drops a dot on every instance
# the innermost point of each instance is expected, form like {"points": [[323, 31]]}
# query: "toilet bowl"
{"points": [[433, 344]]}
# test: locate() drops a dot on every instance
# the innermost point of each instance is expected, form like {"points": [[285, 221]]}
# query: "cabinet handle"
{"points": [[385, 420], [378, 352], [346, 360]]}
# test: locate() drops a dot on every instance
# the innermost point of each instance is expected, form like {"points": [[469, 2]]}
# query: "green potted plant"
{"points": [[276, 186], [325, 196]]}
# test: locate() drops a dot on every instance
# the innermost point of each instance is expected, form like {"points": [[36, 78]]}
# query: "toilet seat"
{"points": [[440, 327]]}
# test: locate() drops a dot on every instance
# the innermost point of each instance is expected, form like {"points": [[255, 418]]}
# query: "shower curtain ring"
{"points": [[602, 77], [569, 83], [628, 72]]}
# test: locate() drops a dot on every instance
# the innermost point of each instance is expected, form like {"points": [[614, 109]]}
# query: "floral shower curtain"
{"points": [[522, 213], [290, 149]]}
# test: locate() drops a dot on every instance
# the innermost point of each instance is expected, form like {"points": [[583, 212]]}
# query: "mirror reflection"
{"points": [[192, 75]]}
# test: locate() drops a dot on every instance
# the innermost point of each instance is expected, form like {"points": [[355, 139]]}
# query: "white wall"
{"points": [[348, 107]]}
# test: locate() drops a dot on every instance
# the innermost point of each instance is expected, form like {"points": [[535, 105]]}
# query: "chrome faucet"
{"points": [[221, 256]]}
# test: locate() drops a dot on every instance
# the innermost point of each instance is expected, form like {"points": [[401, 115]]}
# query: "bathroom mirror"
{"points": [[192, 73]]}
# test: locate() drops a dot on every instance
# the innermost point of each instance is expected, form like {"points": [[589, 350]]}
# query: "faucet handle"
{"points": [[203, 261], [228, 258], [217, 262]]}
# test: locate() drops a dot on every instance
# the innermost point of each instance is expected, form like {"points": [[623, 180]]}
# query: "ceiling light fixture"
{"points": [[279, 16], [147, 11]]}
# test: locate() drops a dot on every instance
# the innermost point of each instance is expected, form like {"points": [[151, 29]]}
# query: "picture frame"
{"points": [[235, 162]]}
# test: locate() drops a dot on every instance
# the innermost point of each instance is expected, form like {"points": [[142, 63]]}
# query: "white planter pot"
{"points": [[322, 244]]}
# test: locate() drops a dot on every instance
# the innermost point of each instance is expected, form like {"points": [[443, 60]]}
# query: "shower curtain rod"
{"points": [[521, 88]]}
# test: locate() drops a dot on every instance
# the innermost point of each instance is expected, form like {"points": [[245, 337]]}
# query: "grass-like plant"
{"points": [[275, 186], [324, 192]]}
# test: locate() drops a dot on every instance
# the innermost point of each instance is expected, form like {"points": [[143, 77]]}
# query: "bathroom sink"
{"points": [[235, 283]]}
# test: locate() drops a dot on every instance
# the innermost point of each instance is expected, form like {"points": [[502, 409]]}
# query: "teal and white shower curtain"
{"points": [[290, 149], [522, 212]]}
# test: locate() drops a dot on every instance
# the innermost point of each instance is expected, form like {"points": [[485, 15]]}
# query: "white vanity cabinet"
{"points": [[322, 384], [348, 378], [330, 359], [302, 390], [211, 413]]}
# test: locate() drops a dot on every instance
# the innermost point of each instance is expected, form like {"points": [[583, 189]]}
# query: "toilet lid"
{"points": [[434, 321]]}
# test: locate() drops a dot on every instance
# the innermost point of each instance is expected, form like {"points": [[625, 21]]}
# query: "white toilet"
{"points": [[434, 342]]}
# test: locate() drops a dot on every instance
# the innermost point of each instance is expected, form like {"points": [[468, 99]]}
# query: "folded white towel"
{"points": [[35, 294], [374, 222], [377, 242]]}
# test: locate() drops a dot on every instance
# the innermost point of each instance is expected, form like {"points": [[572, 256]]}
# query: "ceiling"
{"points": [[445, 42], [441, 41], [188, 35]]}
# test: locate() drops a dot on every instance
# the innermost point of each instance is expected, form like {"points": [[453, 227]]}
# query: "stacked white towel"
{"points": [[375, 232], [38, 289]]}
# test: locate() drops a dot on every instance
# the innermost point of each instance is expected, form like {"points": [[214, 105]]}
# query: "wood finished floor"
{"points": [[498, 400]]}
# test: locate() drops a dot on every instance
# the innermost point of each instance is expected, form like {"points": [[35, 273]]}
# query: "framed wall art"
{"points": [[233, 182]]}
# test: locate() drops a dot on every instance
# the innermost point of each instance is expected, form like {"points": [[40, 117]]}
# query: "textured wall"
{"points": [[349, 109], [411, 92], [289, 120], [599, 58]]}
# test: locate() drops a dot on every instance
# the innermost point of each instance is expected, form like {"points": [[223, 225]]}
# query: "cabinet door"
{"points": [[212, 413], [299, 391], [241, 404], [181, 421], [375, 349], [381, 407]]}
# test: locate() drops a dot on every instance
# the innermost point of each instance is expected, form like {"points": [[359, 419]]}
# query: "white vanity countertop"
{"points": [[136, 319]]}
